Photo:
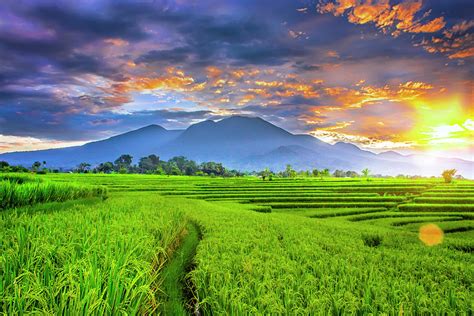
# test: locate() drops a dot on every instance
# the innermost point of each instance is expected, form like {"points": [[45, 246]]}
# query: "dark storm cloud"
{"points": [[302, 66], [265, 54], [175, 55], [120, 22]]}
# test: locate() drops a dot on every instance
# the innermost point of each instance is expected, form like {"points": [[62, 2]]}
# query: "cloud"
{"points": [[456, 42], [171, 56], [408, 16], [13, 143], [94, 69], [401, 16]]}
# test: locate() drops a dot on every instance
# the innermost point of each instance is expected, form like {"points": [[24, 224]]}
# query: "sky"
{"points": [[384, 75]]}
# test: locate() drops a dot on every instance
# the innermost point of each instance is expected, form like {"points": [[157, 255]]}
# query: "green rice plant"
{"points": [[448, 195], [14, 194], [278, 263], [346, 212], [436, 207], [96, 258], [111, 257], [19, 178], [332, 205], [326, 199], [445, 200], [372, 240]]}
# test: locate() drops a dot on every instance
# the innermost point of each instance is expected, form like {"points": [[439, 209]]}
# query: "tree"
{"points": [[366, 173], [148, 164], [105, 167], [289, 172], [4, 164], [124, 161], [351, 174], [173, 169], [266, 174], [36, 166], [339, 173], [448, 175], [325, 173], [83, 167], [315, 173], [159, 170], [212, 168]]}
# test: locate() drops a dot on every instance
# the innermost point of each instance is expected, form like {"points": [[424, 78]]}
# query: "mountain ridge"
{"points": [[239, 142]]}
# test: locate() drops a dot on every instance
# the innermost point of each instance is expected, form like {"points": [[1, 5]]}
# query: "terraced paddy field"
{"points": [[181, 245]]}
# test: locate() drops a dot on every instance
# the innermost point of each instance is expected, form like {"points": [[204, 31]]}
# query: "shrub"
{"points": [[372, 240]]}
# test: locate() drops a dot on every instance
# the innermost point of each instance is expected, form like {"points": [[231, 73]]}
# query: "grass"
{"points": [[299, 246], [177, 296], [20, 193], [444, 200], [411, 207], [86, 258]]}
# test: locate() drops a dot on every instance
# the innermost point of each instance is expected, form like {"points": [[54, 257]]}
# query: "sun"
{"points": [[443, 123]]}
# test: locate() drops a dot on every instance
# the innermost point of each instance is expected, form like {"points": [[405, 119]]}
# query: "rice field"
{"points": [[174, 245]]}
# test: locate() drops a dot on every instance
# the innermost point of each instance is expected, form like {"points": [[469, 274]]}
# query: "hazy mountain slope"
{"points": [[242, 143], [138, 143], [234, 138]]}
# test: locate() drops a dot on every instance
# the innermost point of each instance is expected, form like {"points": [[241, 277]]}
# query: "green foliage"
{"points": [[372, 240], [292, 245], [87, 258], [366, 173], [289, 172], [324, 173], [149, 164], [17, 193], [105, 167], [83, 167]]}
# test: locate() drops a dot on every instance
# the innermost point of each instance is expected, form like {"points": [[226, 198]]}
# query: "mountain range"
{"points": [[243, 143]]}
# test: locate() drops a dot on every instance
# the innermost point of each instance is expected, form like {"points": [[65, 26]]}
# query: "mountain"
{"points": [[245, 143], [232, 139], [138, 143]]}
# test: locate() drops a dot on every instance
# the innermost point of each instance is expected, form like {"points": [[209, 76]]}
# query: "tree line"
{"points": [[152, 164], [180, 165]]}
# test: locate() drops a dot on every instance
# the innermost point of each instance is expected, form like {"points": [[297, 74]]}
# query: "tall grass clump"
{"points": [[16, 194], [19, 178], [89, 258]]}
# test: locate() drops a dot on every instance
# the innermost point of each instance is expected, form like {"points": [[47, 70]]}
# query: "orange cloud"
{"points": [[289, 89], [430, 27], [401, 16], [407, 16], [246, 99], [368, 94], [116, 42], [332, 53], [213, 72], [456, 43], [465, 53]]}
